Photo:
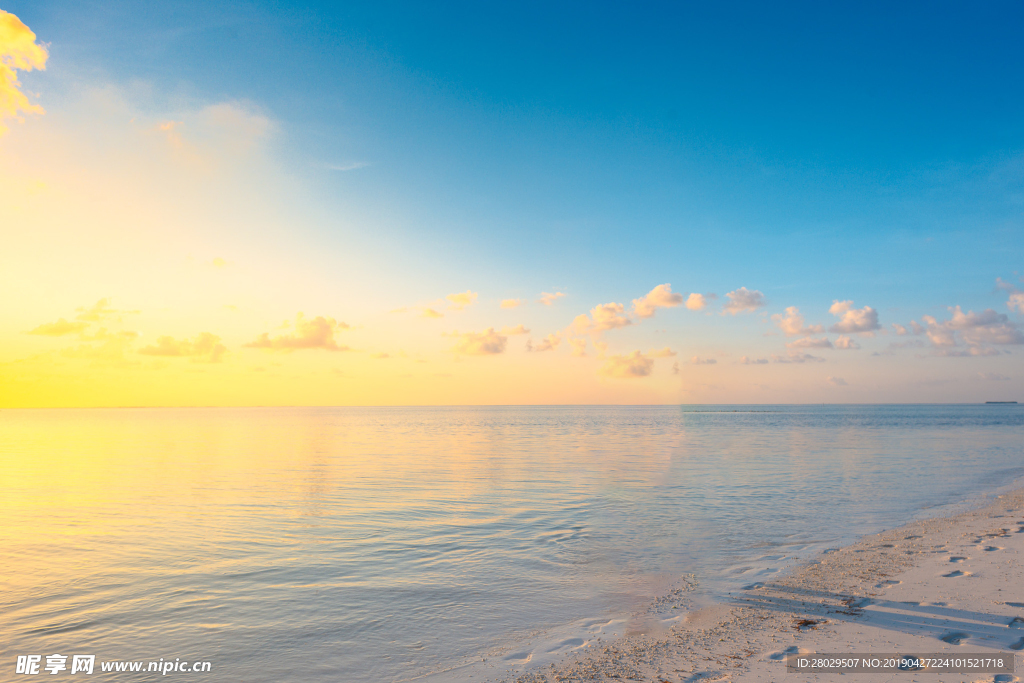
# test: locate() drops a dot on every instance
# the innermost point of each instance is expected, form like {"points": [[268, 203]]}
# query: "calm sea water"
{"points": [[385, 544]]}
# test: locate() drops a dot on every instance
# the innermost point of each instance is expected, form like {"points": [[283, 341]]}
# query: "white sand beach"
{"points": [[945, 585]]}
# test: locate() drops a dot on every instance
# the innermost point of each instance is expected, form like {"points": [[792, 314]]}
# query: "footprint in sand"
{"points": [[889, 583], [1005, 678], [1015, 604], [990, 548], [955, 638], [955, 573], [860, 603], [791, 650], [958, 558], [1019, 645], [1016, 622]]}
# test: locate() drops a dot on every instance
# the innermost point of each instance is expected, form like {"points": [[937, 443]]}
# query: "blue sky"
{"points": [[814, 152]]}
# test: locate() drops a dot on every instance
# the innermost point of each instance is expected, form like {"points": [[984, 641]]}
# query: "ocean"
{"points": [[396, 544]]}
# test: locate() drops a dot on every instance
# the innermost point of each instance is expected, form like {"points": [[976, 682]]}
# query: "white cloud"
{"points": [[900, 330], [629, 366], [317, 333], [549, 298], [461, 300], [744, 300], [975, 329], [698, 302], [548, 343], [853, 320], [602, 317], [486, 343], [797, 357], [661, 296], [916, 327], [993, 377], [792, 324], [810, 343], [846, 344], [18, 52], [662, 353], [59, 328], [205, 348], [1016, 302]]}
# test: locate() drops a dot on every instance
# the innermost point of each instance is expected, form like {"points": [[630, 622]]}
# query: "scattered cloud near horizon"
{"points": [[792, 323], [628, 366], [602, 317], [698, 302], [59, 328], [853, 320], [315, 333], [205, 347], [486, 343], [512, 303], [744, 300], [456, 302], [661, 296], [548, 343], [549, 298]]}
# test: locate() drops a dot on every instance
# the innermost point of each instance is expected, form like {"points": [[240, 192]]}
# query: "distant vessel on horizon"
{"points": [[988, 402]]}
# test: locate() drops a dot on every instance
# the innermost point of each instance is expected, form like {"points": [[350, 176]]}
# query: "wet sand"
{"points": [[943, 585]]}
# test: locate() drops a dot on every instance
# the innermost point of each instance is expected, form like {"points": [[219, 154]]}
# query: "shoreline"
{"points": [[958, 577]]}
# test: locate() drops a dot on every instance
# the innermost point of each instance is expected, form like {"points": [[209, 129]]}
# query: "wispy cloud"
{"points": [[549, 298], [661, 296], [629, 366], [1015, 302], [486, 343], [59, 328], [350, 166], [548, 343], [430, 313], [810, 343], [18, 52], [457, 302], [836, 381], [697, 360], [662, 353], [579, 346], [993, 377], [744, 360], [797, 357], [206, 348], [512, 331], [512, 303], [100, 311], [744, 300], [316, 333]]}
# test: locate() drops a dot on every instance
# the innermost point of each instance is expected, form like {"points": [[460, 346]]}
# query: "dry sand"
{"points": [[950, 584]]}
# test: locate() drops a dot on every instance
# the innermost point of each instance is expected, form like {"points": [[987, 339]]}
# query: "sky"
{"points": [[275, 203]]}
